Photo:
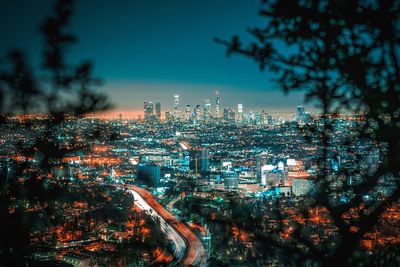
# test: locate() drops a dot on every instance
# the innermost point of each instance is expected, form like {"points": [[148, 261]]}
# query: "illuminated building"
{"points": [[258, 119], [226, 114], [158, 110], [62, 172], [260, 162], [197, 113], [217, 111], [240, 112], [274, 177], [150, 174], [263, 117], [188, 110], [240, 108], [302, 116], [302, 186], [199, 160], [226, 165], [229, 115], [148, 111], [231, 180], [252, 117], [177, 109], [269, 120], [264, 171], [206, 109]]}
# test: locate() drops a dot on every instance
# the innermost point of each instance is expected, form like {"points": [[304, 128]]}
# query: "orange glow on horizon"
{"points": [[126, 114]]}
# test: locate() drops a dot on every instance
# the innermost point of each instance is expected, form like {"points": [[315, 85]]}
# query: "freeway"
{"points": [[180, 245], [189, 250]]}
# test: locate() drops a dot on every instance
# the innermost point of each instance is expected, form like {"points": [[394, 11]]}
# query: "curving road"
{"points": [[189, 250]]}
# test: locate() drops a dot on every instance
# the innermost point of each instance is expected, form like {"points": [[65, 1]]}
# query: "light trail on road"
{"points": [[189, 250]]}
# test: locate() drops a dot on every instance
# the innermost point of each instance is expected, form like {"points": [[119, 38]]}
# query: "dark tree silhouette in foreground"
{"points": [[59, 89], [345, 56], [43, 106]]}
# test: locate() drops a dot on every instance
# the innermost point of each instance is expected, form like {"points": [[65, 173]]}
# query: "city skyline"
{"points": [[158, 109], [130, 97]]}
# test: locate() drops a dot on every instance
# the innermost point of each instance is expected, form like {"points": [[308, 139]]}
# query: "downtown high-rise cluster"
{"points": [[206, 112]]}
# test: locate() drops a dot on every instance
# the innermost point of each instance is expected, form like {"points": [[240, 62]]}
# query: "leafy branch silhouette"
{"points": [[345, 59], [57, 91]]}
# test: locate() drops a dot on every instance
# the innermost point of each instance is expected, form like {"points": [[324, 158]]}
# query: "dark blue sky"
{"points": [[153, 49]]}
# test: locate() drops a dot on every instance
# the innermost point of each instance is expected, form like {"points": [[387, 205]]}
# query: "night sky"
{"points": [[149, 50]]}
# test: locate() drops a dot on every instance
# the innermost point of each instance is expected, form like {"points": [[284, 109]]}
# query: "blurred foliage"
{"points": [[345, 56], [33, 203]]}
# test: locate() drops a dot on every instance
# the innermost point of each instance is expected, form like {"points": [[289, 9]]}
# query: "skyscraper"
{"points": [[229, 115], [177, 109], [197, 112], [258, 119], [206, 109], [226, 114], [148, 111], [240, 112], [217, 114], [158, 110], [188, 111], [300, 114], [269, 120], [240, 108]]}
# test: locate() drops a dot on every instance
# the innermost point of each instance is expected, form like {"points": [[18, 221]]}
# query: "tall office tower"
{"points": [[300, 114], [188, 111], [229, 115], [158, 110], [269, 120], [258, 119], [226, 114], [206, 109], [240, 108], [197, 112], [177, 109], [263, 117], [252, 116], [217, 115], [148, 111], [240, 113]]}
